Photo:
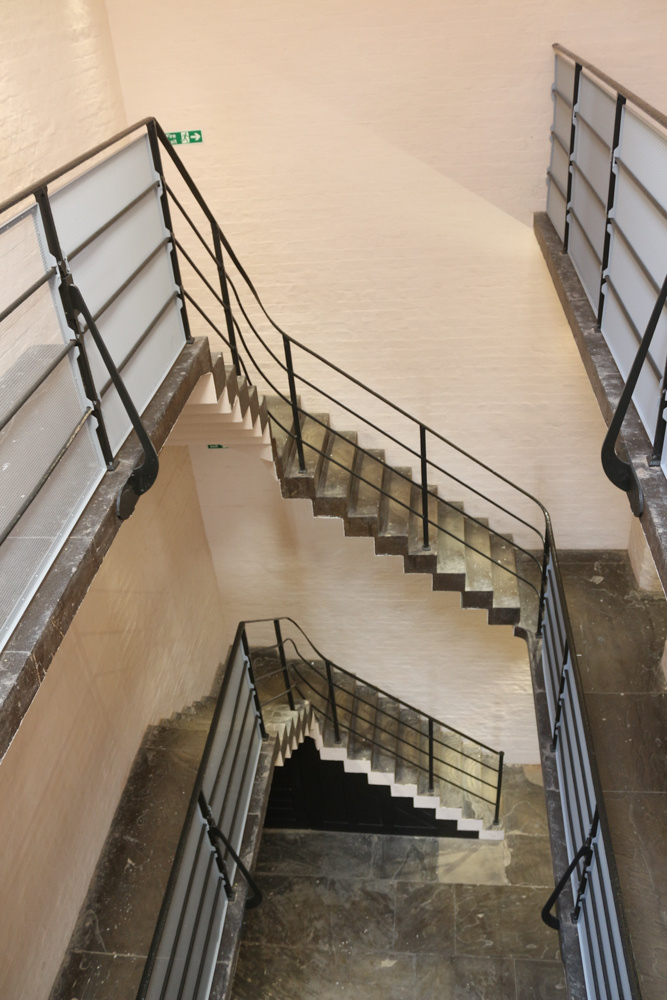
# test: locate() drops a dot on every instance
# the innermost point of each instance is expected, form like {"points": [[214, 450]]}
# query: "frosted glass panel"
{"points": [[556, 209], [564, 78], [562, 120], [586, 263], [593, 159], [591, 215], [597, 107], [644, 151]]}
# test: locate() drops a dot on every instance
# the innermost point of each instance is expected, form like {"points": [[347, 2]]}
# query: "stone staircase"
{"points": [[343, 481], [383, 739]]}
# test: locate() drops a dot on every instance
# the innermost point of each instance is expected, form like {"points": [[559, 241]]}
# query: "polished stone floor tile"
{"points": [[346, 855], [269, 972], [630, 735], [522, 802], [406, 859], [503, 921], [441, 977], [540, 980], [473, 862], [425, 918], [294, 913], [373, 977], [99, 977], [361, 915], [530, 861]]}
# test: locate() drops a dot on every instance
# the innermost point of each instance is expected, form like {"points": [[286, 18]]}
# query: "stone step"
{"points": [[392, 536], [314, 436], [364, 505], [362, 729], [281, 425], [450, 571], [419, 559], [478, 591], [333, 488], [506, 608], [383, 761]]}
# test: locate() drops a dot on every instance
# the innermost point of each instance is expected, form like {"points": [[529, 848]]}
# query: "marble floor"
{"points": [[620, 636], [406, 918]]}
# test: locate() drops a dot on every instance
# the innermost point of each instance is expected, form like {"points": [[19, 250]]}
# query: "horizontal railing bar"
{"points": [[642, 187], [107, 225], [643, 105], [591, 128], [397, 755], [36, 489], [27, 192], [589, 185], [385, 464], [560, 142], [26, 295], [393, 718], [411, 510], [635, 256], [584, 233], [552, 177], [197, 271], [286, 618], [193, 226], [36, 384], [210, 322], [633, 326], [128, 281], [566, 100], [137, 344]]}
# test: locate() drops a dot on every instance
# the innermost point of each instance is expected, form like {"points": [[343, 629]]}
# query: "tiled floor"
{"points": [[411, 918], [620, 636]]}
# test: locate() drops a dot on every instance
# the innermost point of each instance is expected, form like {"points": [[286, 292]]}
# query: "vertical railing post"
{"points": [[332, 701], [659, 436], [251, 677], [294, 402], [424, 463], [573, 135], [430, 756], [561, 697], [283, 663], [620, 101], [543, 584], [224, 291], [53, 243], [501, 758], [166, 214]]}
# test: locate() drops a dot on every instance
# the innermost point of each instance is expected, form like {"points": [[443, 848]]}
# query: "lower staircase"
{"points": [[390, 742]]}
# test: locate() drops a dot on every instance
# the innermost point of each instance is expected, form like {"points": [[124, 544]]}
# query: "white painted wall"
{"points": [[59, 89], [376, 166], [272, 557]]}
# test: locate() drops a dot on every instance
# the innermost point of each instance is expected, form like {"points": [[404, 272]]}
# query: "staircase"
{"points": [[374, 734]]}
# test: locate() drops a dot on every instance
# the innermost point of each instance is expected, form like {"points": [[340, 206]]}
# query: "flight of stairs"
{"points": [[224, 411], [451, 557], [382, 739]]}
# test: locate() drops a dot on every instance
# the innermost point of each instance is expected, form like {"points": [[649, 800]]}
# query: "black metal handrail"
{"points": [[333, 711]]}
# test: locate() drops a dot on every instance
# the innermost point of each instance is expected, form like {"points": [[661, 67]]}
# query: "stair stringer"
{"points": [[291, 728]]}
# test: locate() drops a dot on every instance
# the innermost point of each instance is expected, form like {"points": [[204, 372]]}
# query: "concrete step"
{"points": [[392, 536], [419, 559], [364, 506], [450, 571], [478, 591], [314, 437], [333, 488]]}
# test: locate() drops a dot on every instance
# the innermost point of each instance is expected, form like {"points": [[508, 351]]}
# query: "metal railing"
{"points": [[434, 750], [598, 912], [607, 199], [183, 953]]}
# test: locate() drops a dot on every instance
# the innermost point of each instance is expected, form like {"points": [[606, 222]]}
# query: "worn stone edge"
{"points": [[568, 934], [607, 384], [38, 635], [228, 953]]}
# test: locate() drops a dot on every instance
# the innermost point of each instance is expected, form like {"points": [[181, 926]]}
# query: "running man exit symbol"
{"points": [[179, 138]]}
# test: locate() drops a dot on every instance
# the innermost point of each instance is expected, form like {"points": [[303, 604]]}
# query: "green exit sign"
{"points": [[178, 138]]}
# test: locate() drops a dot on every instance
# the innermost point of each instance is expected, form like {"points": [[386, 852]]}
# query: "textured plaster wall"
{"points": [[59, 89], [376, 166], [272, 557], [146, 641]]}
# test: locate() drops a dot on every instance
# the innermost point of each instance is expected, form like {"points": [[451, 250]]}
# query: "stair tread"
{"points": [[365, 496], [334, 480], [314, 431], [395, 512], [505, 586], [362, 734], [478, 567], [416, 527], [451, 547], [384, 753], [280, 411]]}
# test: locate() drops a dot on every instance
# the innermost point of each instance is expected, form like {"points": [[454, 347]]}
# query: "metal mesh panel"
{"points": [[585, 261], [597, 107], [644, 151], [590, 212], [560, 163], [643, 226], [593, 157], [564, 77], [623, 345], [556, 209], [562, 120], [30, 549], [23, 255], [638, 295]]}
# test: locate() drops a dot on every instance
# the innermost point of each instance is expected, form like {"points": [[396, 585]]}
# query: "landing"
{"points": [[406, 918]]}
